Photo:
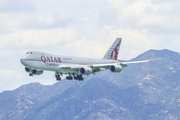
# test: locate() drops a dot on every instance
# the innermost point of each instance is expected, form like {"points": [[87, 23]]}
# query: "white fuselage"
{"points": [[74, 67], [50, 62]]}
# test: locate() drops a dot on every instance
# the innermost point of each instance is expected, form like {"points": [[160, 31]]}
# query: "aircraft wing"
{"points": [[141, 61], [97, 67], [75, 67], [103, 65], [123, 64]]}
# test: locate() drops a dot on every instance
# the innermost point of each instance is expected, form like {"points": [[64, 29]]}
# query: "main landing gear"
{"points": [[58, 77], [70, 77], [78, 77]]}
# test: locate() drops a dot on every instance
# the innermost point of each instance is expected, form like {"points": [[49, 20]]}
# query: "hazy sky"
{"points": [[81, 28]]}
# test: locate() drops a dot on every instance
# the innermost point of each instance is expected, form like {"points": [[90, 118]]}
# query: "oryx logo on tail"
{"points": [[114, 54], [114, 50]]}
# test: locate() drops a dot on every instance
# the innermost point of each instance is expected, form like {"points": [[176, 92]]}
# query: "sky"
{"points": [[81, 28]]}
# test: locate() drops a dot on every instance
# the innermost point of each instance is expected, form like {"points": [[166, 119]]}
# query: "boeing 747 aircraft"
{"points": [[74, 67]]}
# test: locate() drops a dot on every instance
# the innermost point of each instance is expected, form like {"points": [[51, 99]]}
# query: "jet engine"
{"points": [[28, 69], [85, 70], [37, 72], [33, 71], [116, 68]]}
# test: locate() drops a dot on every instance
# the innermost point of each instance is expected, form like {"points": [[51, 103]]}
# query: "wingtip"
{"points": [[156, 59]]}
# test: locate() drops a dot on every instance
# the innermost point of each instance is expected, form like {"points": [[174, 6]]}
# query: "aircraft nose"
{"points": [[22, 61]]}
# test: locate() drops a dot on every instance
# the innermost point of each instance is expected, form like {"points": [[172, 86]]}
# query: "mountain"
{"points": [[141, 91]]}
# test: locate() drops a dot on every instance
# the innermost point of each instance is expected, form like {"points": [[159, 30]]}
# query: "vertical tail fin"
{"points": [[113, 52]]}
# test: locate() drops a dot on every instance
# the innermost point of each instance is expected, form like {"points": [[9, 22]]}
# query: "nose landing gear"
{"points": [[30, 74]]}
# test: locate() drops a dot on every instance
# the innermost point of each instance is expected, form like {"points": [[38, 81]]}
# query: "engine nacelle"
{"points": [[33, 71], [37, 72], [28, 69], [85, 70], [116, 68]]}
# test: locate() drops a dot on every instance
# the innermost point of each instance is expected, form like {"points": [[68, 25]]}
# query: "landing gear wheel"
{"points": [[80, 78], [69, 78], [58, 78], [30, 74]]}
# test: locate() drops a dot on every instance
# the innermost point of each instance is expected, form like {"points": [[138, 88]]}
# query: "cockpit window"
{"points": [[29, 53]]}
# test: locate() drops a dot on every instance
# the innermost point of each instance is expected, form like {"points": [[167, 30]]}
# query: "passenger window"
{"points": [[27, 53], [31, 53]]}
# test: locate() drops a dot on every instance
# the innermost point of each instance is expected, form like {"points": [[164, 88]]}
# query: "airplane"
{"points": [[74, 67]]}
